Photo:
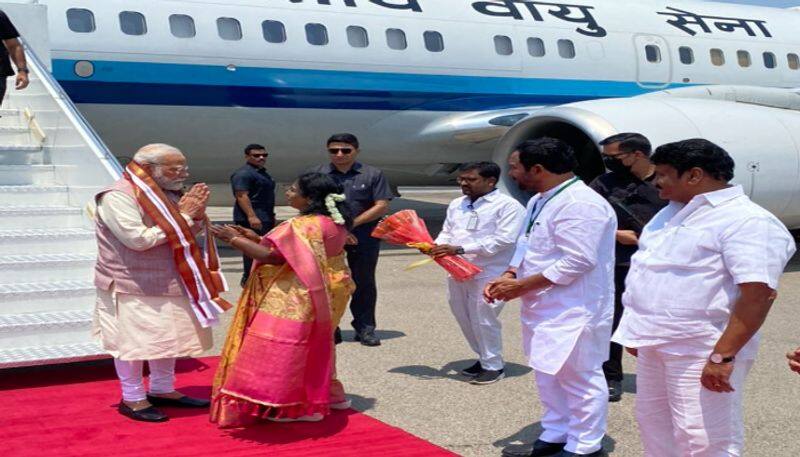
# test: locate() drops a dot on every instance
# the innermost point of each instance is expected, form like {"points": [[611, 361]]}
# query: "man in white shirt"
{"points": [[699, 289], [483, 226], [563, 269]]}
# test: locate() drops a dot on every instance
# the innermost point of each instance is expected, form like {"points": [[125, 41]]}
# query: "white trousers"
{"points": [[478, 320], [575, 407], [162, 377], [677, 416]]}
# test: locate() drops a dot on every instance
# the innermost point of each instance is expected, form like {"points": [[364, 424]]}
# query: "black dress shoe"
{"points": [[538, 449], [600, 453], [367, 339], [614, 391], [473, 370], [337, 336], [183, 402], [149, 414]]}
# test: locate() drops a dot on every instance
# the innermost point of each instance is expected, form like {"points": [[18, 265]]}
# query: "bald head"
{"points": [[165, 163]]}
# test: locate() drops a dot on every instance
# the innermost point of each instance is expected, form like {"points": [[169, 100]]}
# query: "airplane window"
{"points": [[566, 49], [794, 61], [652, 53], [317, 34], [274, 31], [229, 28], [434, 42], [80, 20], [182, 26], [686, 54], [503, 45], [396, 39], [769, 60], [744, 59], [132, 23], [357, 36], [536, 47], [717, 57]]}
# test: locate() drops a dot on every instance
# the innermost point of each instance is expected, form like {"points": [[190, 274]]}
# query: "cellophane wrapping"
{"points": [[408, 229]]}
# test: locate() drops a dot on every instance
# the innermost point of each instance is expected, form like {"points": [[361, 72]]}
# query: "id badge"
{"points": [[472, 223]]}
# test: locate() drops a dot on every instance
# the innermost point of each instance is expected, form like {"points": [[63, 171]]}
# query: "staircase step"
{"points": [[34, 195], [54, 267], [45, 329], [19, 148], [18, 217], [45, 355], [42, 297], [44, 241], [22, 175]]}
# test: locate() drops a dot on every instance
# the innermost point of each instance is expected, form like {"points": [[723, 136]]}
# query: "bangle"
{"points": [[23, 70], [231, 240]]}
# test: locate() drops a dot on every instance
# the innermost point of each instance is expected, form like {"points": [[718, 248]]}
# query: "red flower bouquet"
{"points": [[407, 228]]}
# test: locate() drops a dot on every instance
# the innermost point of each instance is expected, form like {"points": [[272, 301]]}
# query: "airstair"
{"points": [[51, 164]]}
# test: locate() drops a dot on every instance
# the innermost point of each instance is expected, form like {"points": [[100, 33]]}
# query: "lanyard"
{"points": [[537, 213]]}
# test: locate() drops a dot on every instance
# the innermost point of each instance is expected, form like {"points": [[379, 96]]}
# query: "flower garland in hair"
{"points": [[330, 203]]}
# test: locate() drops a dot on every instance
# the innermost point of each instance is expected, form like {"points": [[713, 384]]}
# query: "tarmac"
{"points": [[411, 381]]}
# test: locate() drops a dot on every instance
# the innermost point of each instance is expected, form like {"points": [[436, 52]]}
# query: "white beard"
{"points": [[166, 184]]}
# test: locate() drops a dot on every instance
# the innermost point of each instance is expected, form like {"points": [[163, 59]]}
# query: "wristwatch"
{"points": [[460, 250], [719, 359], [23, 70]]}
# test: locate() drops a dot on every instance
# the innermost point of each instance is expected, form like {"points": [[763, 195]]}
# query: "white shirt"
{"points": [[487, 229], [682, 284], [571, 243]]}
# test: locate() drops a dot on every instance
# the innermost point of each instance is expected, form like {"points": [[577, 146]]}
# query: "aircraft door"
{"points": [[653, 61]]}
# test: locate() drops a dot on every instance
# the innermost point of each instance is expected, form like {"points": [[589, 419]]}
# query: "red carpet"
{"points": [[69, 410]]}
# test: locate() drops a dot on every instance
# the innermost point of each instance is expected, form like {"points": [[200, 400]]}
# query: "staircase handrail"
{"points": [[85, 129]]}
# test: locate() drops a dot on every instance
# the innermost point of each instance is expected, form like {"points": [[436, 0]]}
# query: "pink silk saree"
{"points": [[278, 359]]}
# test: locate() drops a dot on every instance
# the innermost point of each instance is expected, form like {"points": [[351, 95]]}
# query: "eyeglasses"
{"points": [[342, 150], [258, 156], [174, 168]]}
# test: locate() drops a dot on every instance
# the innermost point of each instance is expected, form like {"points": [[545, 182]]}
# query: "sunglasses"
{"points": [[258, 156], [342, 150]]}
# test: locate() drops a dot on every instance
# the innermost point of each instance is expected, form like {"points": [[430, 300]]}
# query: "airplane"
{"points": [[427, 85]]}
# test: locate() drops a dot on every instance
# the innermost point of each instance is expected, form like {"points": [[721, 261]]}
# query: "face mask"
{"points": [[615, 165]]}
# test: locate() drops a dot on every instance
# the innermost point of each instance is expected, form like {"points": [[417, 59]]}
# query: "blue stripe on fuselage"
{"points": [[139, 83]]}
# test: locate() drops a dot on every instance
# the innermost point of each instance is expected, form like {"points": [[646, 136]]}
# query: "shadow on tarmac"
{"points": [[453, 370], [362, 403]]}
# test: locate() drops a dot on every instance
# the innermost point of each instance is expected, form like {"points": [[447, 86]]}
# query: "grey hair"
{"points": [[154, 153]]}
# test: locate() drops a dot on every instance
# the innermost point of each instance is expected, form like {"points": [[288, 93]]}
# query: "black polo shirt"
{"points": [[363, 186], [260, 188], [7, 32], [634, 201]]}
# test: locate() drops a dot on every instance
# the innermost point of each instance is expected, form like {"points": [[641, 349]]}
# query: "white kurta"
{"points": [[679, 297], [571, 243], [487, 229], [566, 327], [137, 327]]}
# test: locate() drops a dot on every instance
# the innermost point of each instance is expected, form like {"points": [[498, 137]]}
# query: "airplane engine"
{"points": [[760, 131]]}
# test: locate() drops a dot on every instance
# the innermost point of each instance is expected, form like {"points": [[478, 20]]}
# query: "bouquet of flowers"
{"points": [[407, 228]]}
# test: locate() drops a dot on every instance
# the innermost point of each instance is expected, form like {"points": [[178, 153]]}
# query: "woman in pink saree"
{"points": [[278, 361]]}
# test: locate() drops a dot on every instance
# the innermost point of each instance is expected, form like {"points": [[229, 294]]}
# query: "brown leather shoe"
{"points": [[149, 414]]}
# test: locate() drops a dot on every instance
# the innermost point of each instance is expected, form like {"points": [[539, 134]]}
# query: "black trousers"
{"points": [[612, 368], [363, 260], [247, 262]]}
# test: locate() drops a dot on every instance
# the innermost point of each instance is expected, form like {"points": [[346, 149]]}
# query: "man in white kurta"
{"points": [[483, 226], [563, 270], [142, 311], [699, 289]]}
